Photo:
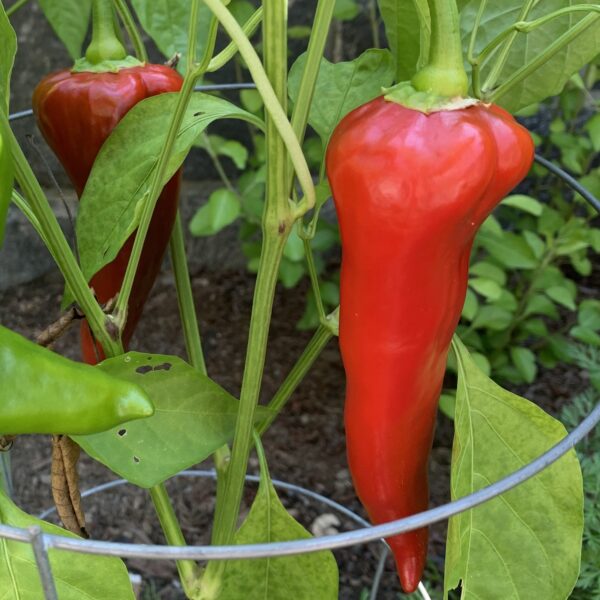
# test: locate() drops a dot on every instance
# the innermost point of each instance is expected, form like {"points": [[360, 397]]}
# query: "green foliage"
{"points": [[588, 584]]}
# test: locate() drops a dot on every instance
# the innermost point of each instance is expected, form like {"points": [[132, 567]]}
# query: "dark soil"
{"points": [[305, 446]]}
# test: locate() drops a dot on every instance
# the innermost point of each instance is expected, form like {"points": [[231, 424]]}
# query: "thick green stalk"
{"points": [[272, 104], [296, 375], [132, 30], [445, 73], [189, 572], [57, 243], [314, 54], [526, 70], [277, 222], [185, 297], [104, 45]]}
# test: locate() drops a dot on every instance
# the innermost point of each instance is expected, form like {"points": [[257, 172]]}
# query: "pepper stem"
{"points": [[445, 72], [104, 45]]}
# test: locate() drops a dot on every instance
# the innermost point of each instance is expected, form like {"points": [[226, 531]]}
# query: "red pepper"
{"points": [[411, 190], [76, 112]]}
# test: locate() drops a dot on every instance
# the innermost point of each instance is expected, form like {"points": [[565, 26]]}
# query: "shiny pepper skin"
{"points": [[76, 113], [411, 191]]}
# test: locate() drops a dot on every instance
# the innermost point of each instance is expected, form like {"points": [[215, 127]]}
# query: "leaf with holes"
{"points": [[527, 541], [193, 417], [76, 575]]}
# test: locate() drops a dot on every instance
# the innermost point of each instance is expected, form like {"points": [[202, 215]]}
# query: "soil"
{"points": [[305, 445]]}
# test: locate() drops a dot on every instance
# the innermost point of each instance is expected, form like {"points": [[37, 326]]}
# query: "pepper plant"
{"points": [[415, 168]]}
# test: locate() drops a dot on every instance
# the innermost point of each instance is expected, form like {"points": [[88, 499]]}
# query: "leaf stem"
{"points": [[57, 243], [221, 59], [185, 297], [496, 71], [526, 70], [132, 30], [314, 278], [15, 7], [189, 572], [476, 74]]}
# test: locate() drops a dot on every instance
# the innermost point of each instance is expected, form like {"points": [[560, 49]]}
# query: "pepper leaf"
{"points": [[119, 183], [167, 23], [312, 575], [550, 78], [76, 575], [70, 20], [496, 433], [408, 29], [8, 50], [342, 87], [193, 417], [222, 209]]}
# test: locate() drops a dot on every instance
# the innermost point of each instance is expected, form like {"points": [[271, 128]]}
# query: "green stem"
{"points": [[156, 185], [277, 223], [314, 54], [221, 59], [529, 26], [22, 205], [272, 105], [314, 278], [104, 45], [490, 82], [476, 73], [374, 23], [132, 30], [445, 73], [564, 40], [296, 375], [188, 569], [185, 297], [57, 243], [15, 7]]}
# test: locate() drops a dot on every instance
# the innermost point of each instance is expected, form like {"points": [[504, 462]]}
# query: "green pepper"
{"points": [[43, 392], [6, 184]]}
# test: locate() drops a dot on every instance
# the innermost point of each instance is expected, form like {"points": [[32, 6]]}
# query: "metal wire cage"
{"points": [[41, 543]]}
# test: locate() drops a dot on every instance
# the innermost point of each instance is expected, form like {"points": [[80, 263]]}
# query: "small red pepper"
{"points": [[76, 112], [410, 189]]}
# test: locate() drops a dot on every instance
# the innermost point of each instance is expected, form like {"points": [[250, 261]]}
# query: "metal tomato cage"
{"points": [[41, 543]]}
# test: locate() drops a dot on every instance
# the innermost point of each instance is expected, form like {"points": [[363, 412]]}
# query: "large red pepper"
{"points": [[411, 190], [76, 112]]}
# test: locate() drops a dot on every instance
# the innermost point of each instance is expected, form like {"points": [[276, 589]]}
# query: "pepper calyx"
{"points": [[406, 95], [83, 65]]}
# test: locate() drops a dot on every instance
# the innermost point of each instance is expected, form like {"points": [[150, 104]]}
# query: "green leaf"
{"points": [[218, 145], [550, 221], [222, 209], [301, 577], [408, 29], [492, 317], [76, 575], [489, 271], [563, 296], [111, 204], [70, 20], [550, 78], [593, 129], [482, 362], [251, 101], [589, 314], [447, 404], [345, 10], [487, 288], [535, 242], [8, 50], [294, 247], [194, 416], [539, 304], [525, 203], [585, 335], [242, 10], [167, 23], [510, 250], [290, 273], [343, 87], [527, 541], [507, 301], [535, 327], [524, 360], [471, 306]]}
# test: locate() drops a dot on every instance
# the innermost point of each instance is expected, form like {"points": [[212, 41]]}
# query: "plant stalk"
{"points": [[132, 30], [15, 7], [104, 45]]}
